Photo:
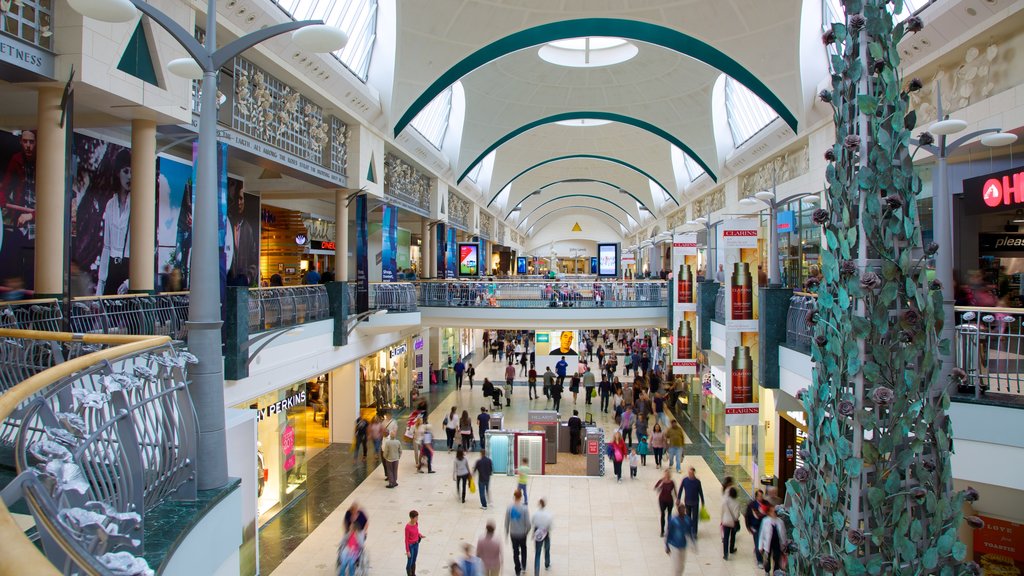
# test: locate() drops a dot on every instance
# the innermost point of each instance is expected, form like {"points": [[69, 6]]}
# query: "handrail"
{"points": [[21, 556]]}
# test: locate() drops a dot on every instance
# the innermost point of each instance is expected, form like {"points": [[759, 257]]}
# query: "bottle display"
{"points": [[684, 341], [742, 376], [684, 288], [742, 290]]}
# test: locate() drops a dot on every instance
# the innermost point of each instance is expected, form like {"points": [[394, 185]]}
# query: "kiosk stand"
{"points": [[546, 422]]}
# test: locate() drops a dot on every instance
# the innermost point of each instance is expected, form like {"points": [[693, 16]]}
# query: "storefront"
{"points": [[385, 378], [292, 427], [456, 343], [992, 267]]}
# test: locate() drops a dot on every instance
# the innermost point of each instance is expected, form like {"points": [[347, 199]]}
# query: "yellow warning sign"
{"points": [[576, 227]]}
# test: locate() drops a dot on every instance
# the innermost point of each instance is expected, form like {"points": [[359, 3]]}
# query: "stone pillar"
{"points": [[425, 251], [341, 261], [142, 237], [344, 401], [50, 205]]}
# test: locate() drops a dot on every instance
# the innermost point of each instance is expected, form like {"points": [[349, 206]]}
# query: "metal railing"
{"points": [[98, 440], [140, 314], [280, 307], [990, 349], [798, 331], [720, 304], [393, 296], [541, 294]]}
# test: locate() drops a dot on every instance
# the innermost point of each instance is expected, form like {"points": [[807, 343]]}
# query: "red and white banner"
{"points": [[684, 305]]}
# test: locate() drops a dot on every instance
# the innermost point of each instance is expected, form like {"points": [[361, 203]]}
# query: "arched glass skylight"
{"points": [[432, 121], [684, 166], [358, 18], [475, 172], [583, 122], [747, 114], [588, 52]]}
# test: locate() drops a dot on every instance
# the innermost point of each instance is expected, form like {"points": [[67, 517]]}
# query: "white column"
{"points": [[142, 239], [425, 252], [341, 261], [344, 402], [49, 215]]}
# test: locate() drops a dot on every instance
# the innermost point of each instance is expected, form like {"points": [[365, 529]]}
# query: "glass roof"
{"points": [[747, 114], [432, 121], [358, 18]]}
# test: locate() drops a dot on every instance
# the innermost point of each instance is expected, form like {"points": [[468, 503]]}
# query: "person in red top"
{"points": [[666, 489], [510, 375], [412, 542]]}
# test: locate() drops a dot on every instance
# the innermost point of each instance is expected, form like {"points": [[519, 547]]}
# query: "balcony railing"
{"points": [[160, 315], [798, 331], [990, 350], [393, 296], [539, 294], [280, 307], [98, 440], [720, 305]]}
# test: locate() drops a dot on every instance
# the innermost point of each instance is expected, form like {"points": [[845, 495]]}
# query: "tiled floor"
{"points": [[601, 527]]}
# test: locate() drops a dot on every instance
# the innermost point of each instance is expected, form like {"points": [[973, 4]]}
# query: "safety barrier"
{"points": [[280, 307], [98, 440], [393, 296], [543, 294], [140, 314], [798, 330], [990, 350]]}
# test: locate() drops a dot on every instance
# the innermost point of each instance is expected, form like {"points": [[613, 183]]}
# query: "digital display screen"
{"points": [[521, 265], [607, 259], [469, 258], [593, 264]]}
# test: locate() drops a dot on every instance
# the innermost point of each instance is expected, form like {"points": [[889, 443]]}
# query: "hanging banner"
{"points": [[441, 248], [684, 306], [737, 250], [362, 256], [741, 394], [451, 252], [389, 244], [222, 210]]}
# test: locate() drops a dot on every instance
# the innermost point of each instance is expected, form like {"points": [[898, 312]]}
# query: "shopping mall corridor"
{"points": [[601, 527]]}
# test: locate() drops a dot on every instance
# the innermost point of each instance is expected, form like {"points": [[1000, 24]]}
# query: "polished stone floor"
{"points": [[601, 527]]}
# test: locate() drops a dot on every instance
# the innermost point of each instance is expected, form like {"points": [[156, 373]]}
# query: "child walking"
{"points": [[634, 462], [641, 449]]}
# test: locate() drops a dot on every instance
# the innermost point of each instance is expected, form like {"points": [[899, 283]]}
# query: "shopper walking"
{"points": [[523, 473], [549, 380], [488, 549], [556, 394], [426, 455], [542, 522], [517, 526], [510, 376], [657, 444], [588, 386], [676, 535], [634, 463], [460, 370], [560, 369], [752, 516], [575, 432], [773, 539], [460, 473], [465, 431], [392, 454], [470, 372], [483, 468], [666, 489], [361, 430], [483, 424], [605, 390], [531, 380], [730, 522], [469, 564], [413, 537], [617, 451], [574, 387], [376, 434], [692, 495], [451, 426], [675, 439], [626, 425]]}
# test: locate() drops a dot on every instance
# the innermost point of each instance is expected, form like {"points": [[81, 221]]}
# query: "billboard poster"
{"points": [[684, 269], [469, 259], [243, 238], [222, 209], [441, 250], [593, 264], [362, 256], [608, 260], [451, 254], [738, 251], [521, 267], [174, 223], [389, 244], [999, 546], [18, 208], [741, 390], [552, 345]]}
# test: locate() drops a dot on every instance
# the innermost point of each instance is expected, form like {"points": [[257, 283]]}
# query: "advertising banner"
{"points": [[737, 250], [593, 264], [552, 345], [684, 305], [174, 223], [362, 256], [999, 546], [521, 265], [608, 260], [469, 259], [441, 250], [389, 244], [18, 207], [222, 209], [741, 394], [243, 239], [452, 254]]}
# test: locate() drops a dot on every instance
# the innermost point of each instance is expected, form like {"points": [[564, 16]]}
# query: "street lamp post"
{"points": [[768, 198], [204, 323], [942, 206]]}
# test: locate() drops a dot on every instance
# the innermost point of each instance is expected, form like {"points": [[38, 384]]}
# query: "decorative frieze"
{"points": [[710, 202], [406, 185], [783, 168], [458, 210], [486, 225]]}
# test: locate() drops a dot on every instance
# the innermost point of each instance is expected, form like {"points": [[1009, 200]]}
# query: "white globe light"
{"points": [[947, 127], [320, 38], [764, 196], [185, 68], [748, 201], [105, 10], [998, 139]]}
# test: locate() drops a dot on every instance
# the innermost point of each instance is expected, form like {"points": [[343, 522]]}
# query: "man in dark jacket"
{"points": [[483, 469], [575, 428]]}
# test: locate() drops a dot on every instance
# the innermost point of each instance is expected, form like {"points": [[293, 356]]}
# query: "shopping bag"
{"points": [[472, 484], [704, 515]]}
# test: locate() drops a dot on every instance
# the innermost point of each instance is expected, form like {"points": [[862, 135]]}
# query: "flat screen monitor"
{"points": [[469, 259], [607, 259], [593, 264], [521, 265]]}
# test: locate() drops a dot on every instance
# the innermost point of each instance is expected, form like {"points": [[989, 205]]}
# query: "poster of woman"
{"points": [[18, 206]]}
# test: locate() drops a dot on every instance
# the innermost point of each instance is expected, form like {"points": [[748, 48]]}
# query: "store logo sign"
{"points": [[281, 405], [1004, 191], [398, 351]]}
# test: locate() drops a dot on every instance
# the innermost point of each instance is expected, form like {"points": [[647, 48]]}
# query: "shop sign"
{"points": [[288, 447], [786, 221], [417, 344], [592, 447], [14, 52], [322, 245], [398, 351], [994, 192], [988, 243], [281, 405], [998, 546]]}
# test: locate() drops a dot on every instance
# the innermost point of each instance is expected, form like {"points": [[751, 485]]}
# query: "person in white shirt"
{"points": [[773, 539], [730, 521], [114, 267], [542, 522]]}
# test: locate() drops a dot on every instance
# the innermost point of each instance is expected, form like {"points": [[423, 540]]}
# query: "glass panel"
{"points": [[432, 121], [358, 18], [747, 114]]}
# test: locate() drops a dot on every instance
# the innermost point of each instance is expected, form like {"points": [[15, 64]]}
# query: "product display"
{"points": [[684, 287], [742, 376], [742, 290], [684, 341]]}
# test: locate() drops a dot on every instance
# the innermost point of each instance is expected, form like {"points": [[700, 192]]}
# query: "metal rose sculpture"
{"points": [[875, 494]]}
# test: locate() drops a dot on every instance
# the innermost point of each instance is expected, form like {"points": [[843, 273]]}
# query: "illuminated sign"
{"points": [[469, 258], [322, 245], [398, 350], [994, 192], [281, 405], [607, 259]]}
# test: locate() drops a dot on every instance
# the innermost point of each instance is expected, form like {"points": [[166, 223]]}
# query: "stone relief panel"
{"points": [[486, 225], [458, 209], [708, 203], [783, 167], [404, 182]]}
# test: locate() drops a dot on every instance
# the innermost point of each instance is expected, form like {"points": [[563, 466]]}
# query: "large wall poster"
{"points": [[243, 239], [469, 259], [737, 249], [684, 307], [452, 254], [174, 223], [222, 209], [389, 244], [18, 207], [608, 260], [441, 250]]}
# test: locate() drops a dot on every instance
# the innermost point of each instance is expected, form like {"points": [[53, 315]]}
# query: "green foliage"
{"points": [[877, 454]]}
